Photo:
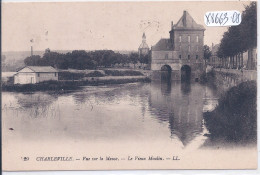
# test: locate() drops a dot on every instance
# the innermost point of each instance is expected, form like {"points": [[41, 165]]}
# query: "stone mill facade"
{"points": [[182, 54]]}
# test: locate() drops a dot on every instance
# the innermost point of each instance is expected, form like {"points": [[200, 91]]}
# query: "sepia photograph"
{"points": [[129, 85]]}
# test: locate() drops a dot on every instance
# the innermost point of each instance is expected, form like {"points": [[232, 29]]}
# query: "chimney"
{"points": [[31, 50], [212, 46], [172, 24], [184, 18]]}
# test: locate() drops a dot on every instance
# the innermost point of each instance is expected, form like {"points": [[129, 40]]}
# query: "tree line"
{"points": [[240, 38], [80, 59]]}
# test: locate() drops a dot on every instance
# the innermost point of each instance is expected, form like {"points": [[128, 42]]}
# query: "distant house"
{"points": [[35, 74]]}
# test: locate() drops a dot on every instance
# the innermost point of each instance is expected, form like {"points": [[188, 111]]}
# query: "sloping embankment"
{"points": [[235, 117], [73, 84]]}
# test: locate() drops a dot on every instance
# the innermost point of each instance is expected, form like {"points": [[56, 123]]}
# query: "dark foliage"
{"points": [[80, 59], [44, 86], [122, 73], [242, 37], [207, 52], [71, 76], [235, 118], [207, 77], [95, 74], [67, 85]]}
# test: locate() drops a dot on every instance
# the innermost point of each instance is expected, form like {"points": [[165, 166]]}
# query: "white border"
{"points": [[157, 172]]}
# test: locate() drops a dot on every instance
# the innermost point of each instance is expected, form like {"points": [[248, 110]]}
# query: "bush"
{"points": [[122, 73], [235, 118], [67, 85], [42, 86], [207, 77], [70, 76], [95, 74]]}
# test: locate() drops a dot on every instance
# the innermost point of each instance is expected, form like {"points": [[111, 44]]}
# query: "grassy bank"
{"points": [[122, 73], [66, 75], [69, 84], [235, 117], [78, 75]]}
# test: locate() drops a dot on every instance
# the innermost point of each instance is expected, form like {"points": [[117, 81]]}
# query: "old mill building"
{"points": [[35, 74], [180, 56]]}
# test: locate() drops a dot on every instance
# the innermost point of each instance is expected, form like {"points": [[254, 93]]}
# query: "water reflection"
{"points": [[179, 104], [167, 111], [185, 87], [36, 104], [166, 87]]}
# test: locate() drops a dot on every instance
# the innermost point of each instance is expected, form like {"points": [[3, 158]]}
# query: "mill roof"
{"points": [[187, 22], [163, 45]]}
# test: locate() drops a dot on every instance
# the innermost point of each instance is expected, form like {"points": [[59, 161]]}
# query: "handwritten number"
{"points": [[225, 17], [220, 19], [207, 19]]}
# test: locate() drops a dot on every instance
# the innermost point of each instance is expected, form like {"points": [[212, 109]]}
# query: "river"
{"points": [[120, 112], [137, 118]]}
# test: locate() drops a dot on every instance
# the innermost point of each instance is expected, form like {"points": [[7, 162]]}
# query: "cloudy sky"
{"points": [[93, 25]]}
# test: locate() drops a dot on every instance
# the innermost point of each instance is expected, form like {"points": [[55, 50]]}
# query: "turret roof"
{"points": [[187, 22]]}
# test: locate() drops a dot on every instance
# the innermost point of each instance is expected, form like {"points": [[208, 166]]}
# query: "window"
{"points": [[180, 48], [179, 56], [179, 38], [189, 39], [197, 56], [197, 39], [55, 74], [166, 56], [197, 48], [38, 74], [188, 56], [189, 48]]}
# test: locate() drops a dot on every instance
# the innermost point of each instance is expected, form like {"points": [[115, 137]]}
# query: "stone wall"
{"points": [[190, 47], [242, 75]]}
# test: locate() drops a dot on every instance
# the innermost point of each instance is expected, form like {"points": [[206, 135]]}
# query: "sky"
{"points": [[100, 25]]}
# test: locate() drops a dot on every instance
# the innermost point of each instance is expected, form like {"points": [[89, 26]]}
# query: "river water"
{"points": [[120, 121], [138, 111]]}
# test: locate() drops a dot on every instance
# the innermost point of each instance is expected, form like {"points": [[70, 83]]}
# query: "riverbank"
{"points": [[73, 74], [63, 85], [73, 79], [235, 116], [241, 74]]}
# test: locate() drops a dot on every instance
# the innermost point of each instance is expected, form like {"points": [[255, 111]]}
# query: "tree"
{"points": [[80, 59], [47, 50], [248, 26], [207, 52], [134, 58], [34, 60], [242, 37]]}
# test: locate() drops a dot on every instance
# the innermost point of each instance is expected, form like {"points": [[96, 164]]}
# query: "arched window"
{"points": [[180, 39], [197, 38], [189, 39]]}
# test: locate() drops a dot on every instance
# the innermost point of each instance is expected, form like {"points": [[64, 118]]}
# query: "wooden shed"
{"points": [[35, 74]]}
